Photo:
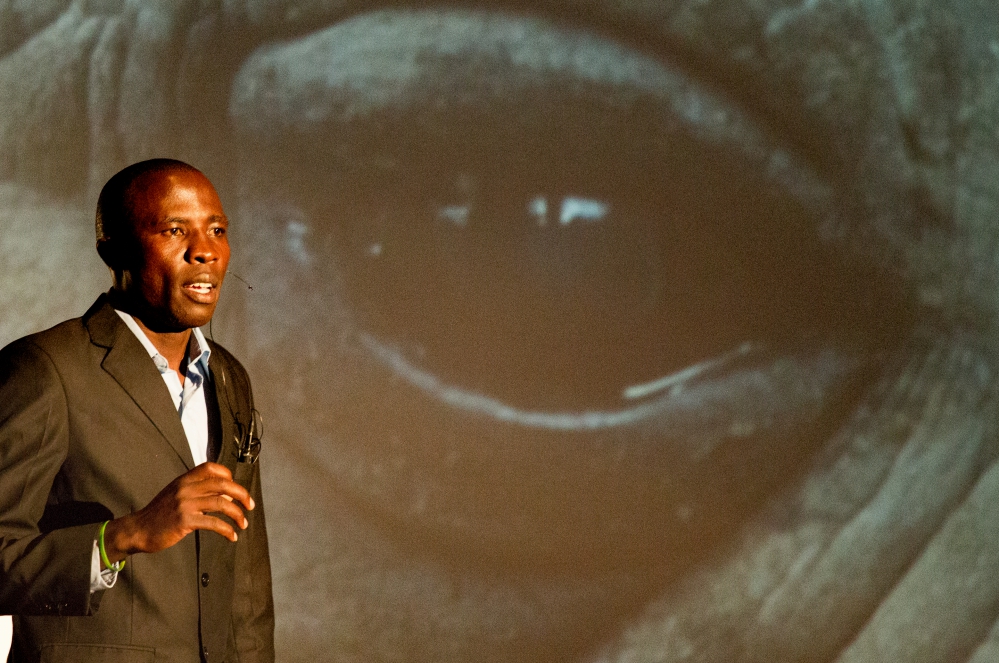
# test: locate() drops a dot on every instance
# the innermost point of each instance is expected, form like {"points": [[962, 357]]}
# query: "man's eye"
{"points": [[571, 270], [540, 214]]}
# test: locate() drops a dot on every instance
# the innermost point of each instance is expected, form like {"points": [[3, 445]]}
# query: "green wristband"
{"points": [[117, 566]]}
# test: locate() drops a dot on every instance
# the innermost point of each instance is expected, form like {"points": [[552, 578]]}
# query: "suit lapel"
{"points": [[129, 364], [224, 401]]}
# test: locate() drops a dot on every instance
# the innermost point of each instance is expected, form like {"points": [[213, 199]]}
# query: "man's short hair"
{"points": [[113, 208]]}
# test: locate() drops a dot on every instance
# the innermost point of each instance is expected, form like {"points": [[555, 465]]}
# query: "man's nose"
{"points": [[201, 249]]}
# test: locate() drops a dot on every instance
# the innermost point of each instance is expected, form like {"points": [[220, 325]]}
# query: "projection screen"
{"points": [[583, 331]]}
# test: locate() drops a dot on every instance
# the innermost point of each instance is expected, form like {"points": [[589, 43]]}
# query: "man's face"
{"points": [[183, 251]]}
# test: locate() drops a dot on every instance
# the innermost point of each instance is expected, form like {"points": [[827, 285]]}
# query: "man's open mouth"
{"points": [[200, 287]]}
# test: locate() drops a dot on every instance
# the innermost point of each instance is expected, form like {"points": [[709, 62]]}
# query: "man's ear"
{"points": [[114, 256], [111, 253]]}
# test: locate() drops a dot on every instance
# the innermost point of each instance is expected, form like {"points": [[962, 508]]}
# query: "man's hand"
{"points": [[179, 509]]}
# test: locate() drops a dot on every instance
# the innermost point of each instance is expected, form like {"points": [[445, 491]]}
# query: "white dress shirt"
{"points": [[189, 399]]}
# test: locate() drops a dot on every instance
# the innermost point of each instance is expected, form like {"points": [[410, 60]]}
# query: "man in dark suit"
{"points": [[126, 436]]}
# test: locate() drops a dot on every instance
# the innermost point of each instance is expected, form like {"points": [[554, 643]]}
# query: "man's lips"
{"points": [[202, 287]]}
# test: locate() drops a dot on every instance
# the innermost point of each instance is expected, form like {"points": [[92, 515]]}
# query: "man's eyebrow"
{"points": [[170, 220], [214, 218]]}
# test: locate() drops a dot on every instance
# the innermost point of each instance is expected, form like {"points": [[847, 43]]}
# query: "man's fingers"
{"points": [[218, 485], [205, 522], [218, 504], [212, 478], [232, 490], [209, 469], [182, 507]]}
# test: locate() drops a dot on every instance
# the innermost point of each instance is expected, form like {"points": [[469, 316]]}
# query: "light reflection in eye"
{"points": [[572, 209], [456, 214], [295, 242], [675, 382]]}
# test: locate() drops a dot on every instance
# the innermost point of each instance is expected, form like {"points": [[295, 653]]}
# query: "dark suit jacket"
{"points": [[88, 431]]}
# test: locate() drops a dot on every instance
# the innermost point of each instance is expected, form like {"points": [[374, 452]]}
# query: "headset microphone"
{"points": [[245, 282]]}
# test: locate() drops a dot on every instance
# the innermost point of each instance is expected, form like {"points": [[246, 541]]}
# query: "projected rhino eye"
{"points": [[540, 214]]}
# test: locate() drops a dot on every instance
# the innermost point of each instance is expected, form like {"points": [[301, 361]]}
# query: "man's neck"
{"points": [[172, 345]]}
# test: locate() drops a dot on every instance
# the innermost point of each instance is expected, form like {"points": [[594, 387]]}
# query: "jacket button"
{"points": [[204, 579], [204, 652]]}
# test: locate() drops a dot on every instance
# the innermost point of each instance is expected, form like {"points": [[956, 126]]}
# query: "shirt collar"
{"points": [[198, 351]]}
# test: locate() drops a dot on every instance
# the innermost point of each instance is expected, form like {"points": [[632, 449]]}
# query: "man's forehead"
{"points": [[161, 180], [146, 195]]}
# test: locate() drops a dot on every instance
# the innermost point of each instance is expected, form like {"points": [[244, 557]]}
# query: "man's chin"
{"points": [[187, 316]]}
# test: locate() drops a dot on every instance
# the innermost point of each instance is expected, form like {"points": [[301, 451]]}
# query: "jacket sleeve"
{"points": [[40, 574]]}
